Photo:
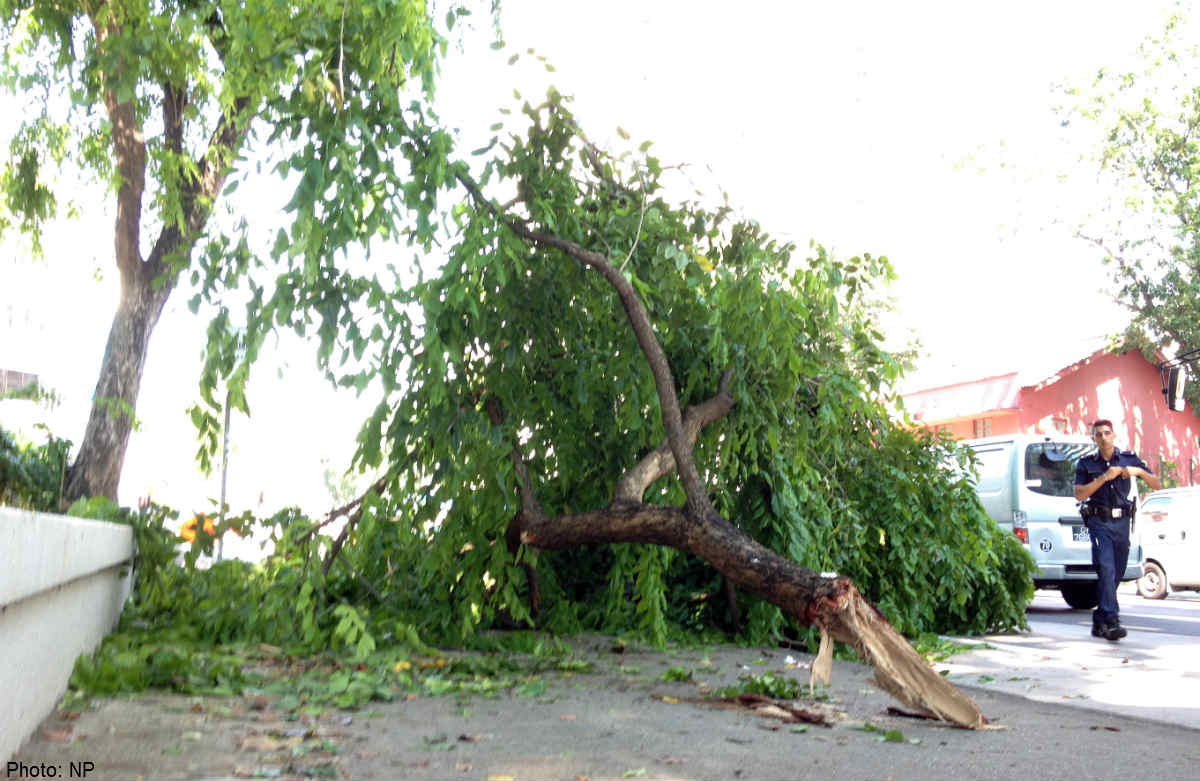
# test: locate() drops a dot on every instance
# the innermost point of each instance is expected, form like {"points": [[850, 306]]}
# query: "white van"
{"points": [[1027, 485]]}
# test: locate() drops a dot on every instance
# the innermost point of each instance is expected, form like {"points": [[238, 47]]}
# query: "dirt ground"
{"points": [[620, 720]]}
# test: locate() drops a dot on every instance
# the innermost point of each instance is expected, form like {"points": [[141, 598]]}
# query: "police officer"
{"points": [[1102, 483]]}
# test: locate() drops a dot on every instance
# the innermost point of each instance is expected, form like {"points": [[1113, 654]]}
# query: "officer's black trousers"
{"points": [[1110, 553]]}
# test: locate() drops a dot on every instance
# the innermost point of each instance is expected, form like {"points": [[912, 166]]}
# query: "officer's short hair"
{"points": [[1101, 422]]}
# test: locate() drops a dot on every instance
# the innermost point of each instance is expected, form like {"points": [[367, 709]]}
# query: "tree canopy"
{"points": [[1149, 228], [162, 101]]}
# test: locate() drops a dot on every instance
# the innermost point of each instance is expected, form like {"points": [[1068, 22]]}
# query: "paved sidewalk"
{"points": [[1147, 675], [621, 720]]}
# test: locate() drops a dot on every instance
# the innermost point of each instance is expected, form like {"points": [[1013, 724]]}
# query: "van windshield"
{"points": [[1050, 467]]}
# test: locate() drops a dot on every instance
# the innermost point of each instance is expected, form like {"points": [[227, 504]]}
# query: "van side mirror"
{"points": [[1176, 378]]}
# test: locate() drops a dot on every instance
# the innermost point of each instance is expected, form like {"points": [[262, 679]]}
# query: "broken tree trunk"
{"points": [[831, 603]]}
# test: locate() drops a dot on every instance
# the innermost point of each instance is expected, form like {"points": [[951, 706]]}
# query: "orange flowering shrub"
{"points": [[188, 530]]}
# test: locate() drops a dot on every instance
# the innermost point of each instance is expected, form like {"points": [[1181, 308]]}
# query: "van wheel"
{"points": [[1153, 582], [1080, 596]]}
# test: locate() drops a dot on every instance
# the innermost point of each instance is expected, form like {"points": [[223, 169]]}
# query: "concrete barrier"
{"points": [[63, 582]]}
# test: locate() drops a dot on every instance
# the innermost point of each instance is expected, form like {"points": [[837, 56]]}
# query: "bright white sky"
{"points": [[923, 131]]}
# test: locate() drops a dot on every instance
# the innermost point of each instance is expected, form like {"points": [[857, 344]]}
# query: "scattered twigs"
{"points": [[339, 512], [767, 707]]}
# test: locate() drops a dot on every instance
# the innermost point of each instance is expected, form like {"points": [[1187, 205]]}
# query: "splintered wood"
{"points": [[898, 668]]}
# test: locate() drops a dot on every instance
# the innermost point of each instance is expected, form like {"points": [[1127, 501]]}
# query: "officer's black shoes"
{"points": [[1112, 631]]}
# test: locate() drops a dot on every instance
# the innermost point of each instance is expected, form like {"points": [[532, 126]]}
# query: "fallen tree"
{"points": [[524, 406], [831, 603]]}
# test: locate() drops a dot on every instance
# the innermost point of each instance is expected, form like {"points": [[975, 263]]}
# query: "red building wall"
{"points": [[1126, 389]]}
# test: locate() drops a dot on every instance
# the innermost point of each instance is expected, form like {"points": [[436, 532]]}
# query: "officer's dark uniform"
{"points": [[1107, 514]]}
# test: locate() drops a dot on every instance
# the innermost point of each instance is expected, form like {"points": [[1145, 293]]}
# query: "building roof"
{"points": [[1033, 363], [980, 397], [962, 399], [1077, 365]]}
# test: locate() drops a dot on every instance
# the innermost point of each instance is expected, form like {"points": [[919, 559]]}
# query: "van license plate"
{"points": [[1080, 534]]}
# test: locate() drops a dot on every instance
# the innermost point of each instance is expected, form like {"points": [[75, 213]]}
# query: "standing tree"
{"points": [[162, 101], [1149, 157]]}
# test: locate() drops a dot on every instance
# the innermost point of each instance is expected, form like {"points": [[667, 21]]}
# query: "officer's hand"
{"points": [[1114, 472]]}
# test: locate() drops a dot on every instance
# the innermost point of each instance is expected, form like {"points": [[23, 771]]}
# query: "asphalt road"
{"points": [[1152, 674], [1178, 614]]}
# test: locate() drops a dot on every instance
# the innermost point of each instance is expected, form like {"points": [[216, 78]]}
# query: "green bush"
{"points": [[31, 476]]}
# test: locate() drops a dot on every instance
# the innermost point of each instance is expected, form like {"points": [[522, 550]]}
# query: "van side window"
{"points": [[1050, 467], [993, 466]]}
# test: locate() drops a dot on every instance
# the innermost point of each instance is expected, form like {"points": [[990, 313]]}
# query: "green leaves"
{"points": [[31, 475], [779, 687], [680, 674], [352, 632], [525, 332], [1144, 223]]}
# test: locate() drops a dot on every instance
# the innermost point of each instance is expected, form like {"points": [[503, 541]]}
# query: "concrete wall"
{"points": [[63, 582]]}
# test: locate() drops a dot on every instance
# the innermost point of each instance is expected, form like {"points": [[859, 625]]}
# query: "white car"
{"points": [[1169, 522]]}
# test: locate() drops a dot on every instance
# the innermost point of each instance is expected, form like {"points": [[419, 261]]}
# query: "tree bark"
{"points": [[97, 467], [146, 283], [831, 603]]}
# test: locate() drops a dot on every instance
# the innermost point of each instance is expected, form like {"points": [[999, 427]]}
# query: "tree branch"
{"points": [[530, 507], [174, 102], [633, 484], [352, 506], [198, 195], [829, 602], [129, 148], [215, 166], [698, 503]]}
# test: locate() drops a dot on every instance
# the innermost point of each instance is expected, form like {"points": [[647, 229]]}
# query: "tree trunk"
{"points": [[146, 284], [97, 467], [830, 603]]}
